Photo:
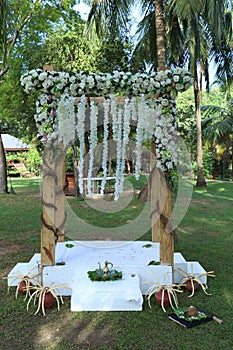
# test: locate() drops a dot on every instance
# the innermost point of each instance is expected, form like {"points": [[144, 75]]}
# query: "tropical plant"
{"points": [[218, 128], [195, 32], [21, 24]]}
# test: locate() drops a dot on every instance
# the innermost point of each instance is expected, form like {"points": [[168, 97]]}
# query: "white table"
{"points": [[124, 294]]}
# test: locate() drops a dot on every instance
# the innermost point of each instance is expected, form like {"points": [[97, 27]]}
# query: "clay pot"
{"points": [[158, 298], [49, 299], [22, 287], [188, 285]]}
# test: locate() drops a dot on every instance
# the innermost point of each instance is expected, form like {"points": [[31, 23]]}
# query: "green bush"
{"points": [[33, 161]]}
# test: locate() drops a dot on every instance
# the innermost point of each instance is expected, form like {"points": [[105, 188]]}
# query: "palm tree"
{"points": [[106, 15], [218, 127], [205, 27], [160, 34], [196, 31]]}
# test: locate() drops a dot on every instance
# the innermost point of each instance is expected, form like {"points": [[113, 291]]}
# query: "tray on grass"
{"points": [[202, 317]]}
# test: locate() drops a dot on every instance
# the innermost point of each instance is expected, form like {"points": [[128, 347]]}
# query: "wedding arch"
{"points": [[146, 101]]}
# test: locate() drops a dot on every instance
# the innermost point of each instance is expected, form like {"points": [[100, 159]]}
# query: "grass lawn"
{"points": [[205, 235]]}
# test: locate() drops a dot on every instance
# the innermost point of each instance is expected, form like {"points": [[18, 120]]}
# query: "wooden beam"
{"points": [[53, 200], [100, 99], [161, 209], [48, 68]]}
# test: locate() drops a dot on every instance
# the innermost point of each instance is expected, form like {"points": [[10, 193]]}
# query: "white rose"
{"points": [[176, 78], [72, 79], [42, 76]]}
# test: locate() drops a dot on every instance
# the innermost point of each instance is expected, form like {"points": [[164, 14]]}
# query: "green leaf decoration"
{"points": [[98, 275], [153, 262], [149, 245], [69, 245]]}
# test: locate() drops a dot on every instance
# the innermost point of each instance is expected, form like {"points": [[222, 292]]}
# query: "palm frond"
{"points": [[105, 14], [187, 9]]}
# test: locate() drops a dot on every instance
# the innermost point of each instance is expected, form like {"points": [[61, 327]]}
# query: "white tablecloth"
{"points": [[123, 294], [120, 253]]}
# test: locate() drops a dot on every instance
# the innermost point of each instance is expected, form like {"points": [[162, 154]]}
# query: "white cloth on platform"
{"points": [[123, 294]]}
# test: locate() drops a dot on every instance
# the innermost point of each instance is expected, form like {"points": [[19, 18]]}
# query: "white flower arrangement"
{"points": [[150, 106], [76, 84]]}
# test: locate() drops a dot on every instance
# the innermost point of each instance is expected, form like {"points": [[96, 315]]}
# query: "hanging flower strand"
{"points": [[114, 117], [125, 141], [93, 143], [81, 132], [119, 154], [139, 136], [66, 120], [106, 105]]}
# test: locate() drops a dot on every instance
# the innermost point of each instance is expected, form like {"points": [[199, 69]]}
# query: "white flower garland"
{"points": [[139, 136], [66, 120], [119, 154], [125, 141], [81, 131], [106, 105], [93, 143], [154, 116], [79, 83], [165, 135], [114, 117]]}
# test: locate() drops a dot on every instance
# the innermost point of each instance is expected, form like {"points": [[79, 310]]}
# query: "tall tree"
{"points": [[3, 12], [195, 32], [205, 28], [160, 34], [218, 127], [15, 19]]}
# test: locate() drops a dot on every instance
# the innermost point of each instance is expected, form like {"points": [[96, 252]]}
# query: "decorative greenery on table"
{"points": [[99, 275]]}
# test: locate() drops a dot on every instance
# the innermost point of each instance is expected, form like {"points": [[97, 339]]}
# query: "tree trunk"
{"points": [[3, 172], [232, 160], [197, 94], [160, 35]]}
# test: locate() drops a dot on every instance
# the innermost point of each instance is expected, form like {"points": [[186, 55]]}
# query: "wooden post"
{"points": [[161, 209], [48, 68], [53, 200]]}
